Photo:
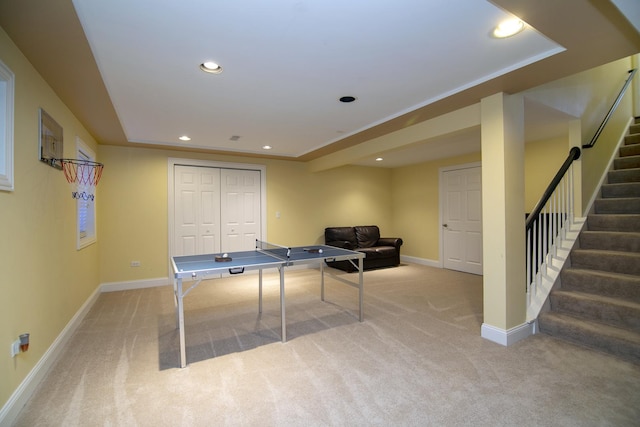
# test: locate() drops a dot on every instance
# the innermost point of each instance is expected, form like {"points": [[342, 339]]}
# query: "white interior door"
{"points": [[240, 218], [462, 219], [197, 210]]}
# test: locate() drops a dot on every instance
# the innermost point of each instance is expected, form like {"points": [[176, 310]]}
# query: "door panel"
{"points": [[462, 220], [197, 210], [240, 216]]}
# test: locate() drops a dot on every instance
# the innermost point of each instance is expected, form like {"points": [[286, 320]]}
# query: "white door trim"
{"points": [[441, 195], [173, 161]]}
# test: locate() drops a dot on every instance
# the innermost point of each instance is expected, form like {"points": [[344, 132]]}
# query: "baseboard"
{"points": [[27, 387], [25, 390], [421, 261], [134, 284], [507, 337]]}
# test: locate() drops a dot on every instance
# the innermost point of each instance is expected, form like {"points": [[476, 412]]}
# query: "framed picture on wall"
{"points": [[51, 142]]}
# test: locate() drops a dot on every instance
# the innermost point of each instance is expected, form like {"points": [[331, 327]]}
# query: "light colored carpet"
{"points": [[416, 360]]}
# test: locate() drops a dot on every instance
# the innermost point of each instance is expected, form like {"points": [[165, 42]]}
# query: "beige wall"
{"points": [[596, 159], [588, 96], [132, 203], [415, 193], [132, 206], [45, 280], [542, 161], [416, 209]]}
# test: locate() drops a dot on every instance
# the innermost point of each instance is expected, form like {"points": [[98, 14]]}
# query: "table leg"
{"points": [[260, 291], [183, 350], [175, 301], [283, 320], [322, 280], [360, 288]]}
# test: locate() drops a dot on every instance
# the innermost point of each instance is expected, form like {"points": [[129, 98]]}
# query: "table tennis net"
{"points": [[280, 252]]}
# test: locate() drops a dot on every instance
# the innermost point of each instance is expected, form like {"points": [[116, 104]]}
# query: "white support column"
{"points": [[502, 122]]}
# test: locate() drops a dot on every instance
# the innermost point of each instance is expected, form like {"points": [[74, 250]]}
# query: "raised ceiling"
{"points": [[130, 70]]}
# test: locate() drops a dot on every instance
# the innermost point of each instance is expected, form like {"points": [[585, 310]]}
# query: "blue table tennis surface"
{"points": [[185, 266]]}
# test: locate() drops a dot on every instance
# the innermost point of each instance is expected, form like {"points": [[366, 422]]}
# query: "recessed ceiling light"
{"points": [[211, 67], [379, 159], [267, 147], [184, 138], [508, 28], [347, 99]]}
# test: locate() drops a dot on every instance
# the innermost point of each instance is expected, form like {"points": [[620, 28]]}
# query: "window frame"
{"points": [[7, 90], [85, 208]]}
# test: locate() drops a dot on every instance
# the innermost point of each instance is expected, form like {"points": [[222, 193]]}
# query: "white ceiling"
{"points": [[286, 63], [129, 70]]}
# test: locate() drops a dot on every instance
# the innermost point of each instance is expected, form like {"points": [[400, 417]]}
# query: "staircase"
{"points": [[597, 303]]}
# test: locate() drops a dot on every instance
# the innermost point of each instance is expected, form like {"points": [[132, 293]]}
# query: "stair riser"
{"points": [[634, 128], [623, 175], [632, 139], [613, 223], [629, 189], [614, 315], [617, 206], [627, 288], [625, 263], [610, 241], [629, 162], [606, 343]]}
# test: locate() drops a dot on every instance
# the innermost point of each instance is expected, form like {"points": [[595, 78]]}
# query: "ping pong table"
{"points": [[196, 268]]}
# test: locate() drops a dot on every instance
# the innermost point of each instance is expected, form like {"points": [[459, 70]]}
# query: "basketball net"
{"points": [[83, 175]]}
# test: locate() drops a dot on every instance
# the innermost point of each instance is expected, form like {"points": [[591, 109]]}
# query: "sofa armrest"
{"points": [[344, 244], [390, 241]]}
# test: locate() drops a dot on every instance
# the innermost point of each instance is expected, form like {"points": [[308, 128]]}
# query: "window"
{"points": [[6, 127], [86, 215]]}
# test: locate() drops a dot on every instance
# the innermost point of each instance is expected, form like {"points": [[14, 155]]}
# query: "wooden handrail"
{"points": [[611, 110]]}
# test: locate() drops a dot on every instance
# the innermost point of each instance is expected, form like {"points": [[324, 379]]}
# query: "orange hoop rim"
{"points": [[83, 172]]}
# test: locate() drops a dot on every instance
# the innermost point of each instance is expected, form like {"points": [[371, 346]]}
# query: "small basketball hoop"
{"points": [[84, 175]]}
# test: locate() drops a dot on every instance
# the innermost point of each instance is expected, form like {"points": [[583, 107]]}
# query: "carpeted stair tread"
{"points": [[610, 339], [627, 162], [613, 222], [609, 284], [623, 175], [611, 311], [624, 189], [614, 261], [610, 240], [619, 205], [596, 302]]}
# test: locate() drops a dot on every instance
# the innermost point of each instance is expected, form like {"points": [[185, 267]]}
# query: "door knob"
{"points": [[445, 225]]}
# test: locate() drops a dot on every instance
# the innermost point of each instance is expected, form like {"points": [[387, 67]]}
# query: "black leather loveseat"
{"points": [[379, 251]]}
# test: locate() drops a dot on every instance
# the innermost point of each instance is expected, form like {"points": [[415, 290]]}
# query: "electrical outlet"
{"points": [[135, 263], [15, 348]]}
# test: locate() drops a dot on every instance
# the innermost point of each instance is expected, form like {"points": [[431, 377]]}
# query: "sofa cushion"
{"points": [[367, 235], [343, 237], [378, 252]]}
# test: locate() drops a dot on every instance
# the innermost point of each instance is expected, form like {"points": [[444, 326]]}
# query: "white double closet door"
{"points": [[215, 209]]}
